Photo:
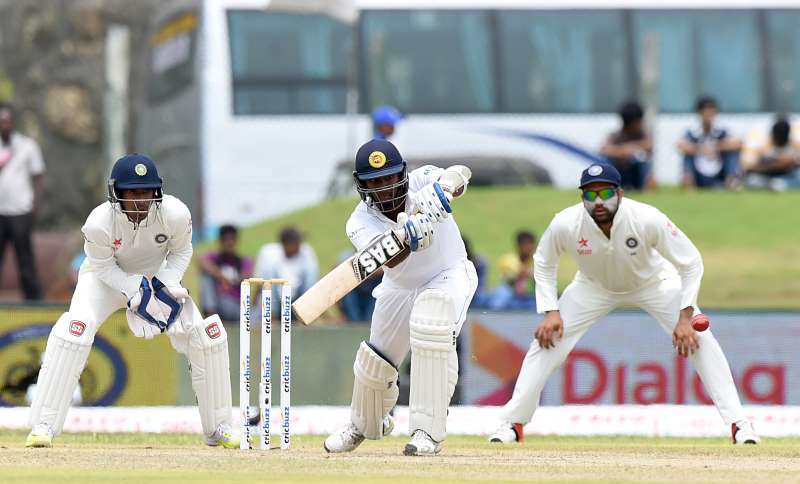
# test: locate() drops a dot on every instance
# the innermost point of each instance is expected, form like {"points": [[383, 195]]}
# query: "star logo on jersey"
{"points": [[583, 247], [117, 243]]}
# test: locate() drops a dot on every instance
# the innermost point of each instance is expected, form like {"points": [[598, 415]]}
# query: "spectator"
{"points": [[21, 185], [481, 297], [291, 259], [516, 271], [384, 120], [630, 148], [773, 162], [222, 273], [358, 304], [710, 154]]}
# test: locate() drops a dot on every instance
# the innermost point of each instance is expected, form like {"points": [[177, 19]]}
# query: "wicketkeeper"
{"points": [[138, 246]]}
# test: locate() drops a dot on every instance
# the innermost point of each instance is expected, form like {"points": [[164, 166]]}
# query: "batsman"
{"points": [[420, 304], [138, 246]]}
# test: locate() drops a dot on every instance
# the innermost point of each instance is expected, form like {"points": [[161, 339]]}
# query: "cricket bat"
{"points": [[348, 275]]}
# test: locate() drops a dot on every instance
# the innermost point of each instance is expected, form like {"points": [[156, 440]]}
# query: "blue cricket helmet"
{"points": [[379, 158], [131, 172]]}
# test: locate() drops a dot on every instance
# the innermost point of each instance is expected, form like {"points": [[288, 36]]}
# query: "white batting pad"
{"points": [[452, 374], [375, 391], [211, 380], [433, 353], [63, 364]]}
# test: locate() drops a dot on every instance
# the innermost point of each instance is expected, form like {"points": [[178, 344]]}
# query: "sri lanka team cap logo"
{"points": [[140, 169], [377, 159]]}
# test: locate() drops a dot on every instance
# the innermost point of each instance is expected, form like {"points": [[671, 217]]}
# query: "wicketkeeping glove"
{"points": [[139, 303], [173, 298]]}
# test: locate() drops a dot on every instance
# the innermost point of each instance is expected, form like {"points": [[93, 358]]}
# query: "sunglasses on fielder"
{"points": [[603, 193]]}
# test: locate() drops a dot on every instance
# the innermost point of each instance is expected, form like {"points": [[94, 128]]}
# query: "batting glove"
{"points": [[432, 201], [418, 229]]}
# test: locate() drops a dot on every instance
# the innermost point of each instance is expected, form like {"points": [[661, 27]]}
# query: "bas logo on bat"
{"points": [[375, 256]]}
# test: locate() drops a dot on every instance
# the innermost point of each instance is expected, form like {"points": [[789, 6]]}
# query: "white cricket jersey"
{"points": [[644, 247], [121, 253], [420, 267], [19, 162]]}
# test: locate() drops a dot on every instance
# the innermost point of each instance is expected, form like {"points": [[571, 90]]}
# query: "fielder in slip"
{"points": [[420, 304], [138, 246], [628, 253]]}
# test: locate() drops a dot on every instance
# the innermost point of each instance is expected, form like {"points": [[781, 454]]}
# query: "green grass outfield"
{"points": [[103, 458], [750, 240]]}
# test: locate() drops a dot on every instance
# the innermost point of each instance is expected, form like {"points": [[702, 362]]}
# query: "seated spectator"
{"points": [[222, 272], [710, 153], [516, 271], [773, 162], [481, 297], [358, 304], [631, 148], [291, 259]]}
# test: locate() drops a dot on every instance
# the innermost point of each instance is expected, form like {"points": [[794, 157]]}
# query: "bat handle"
{"points": [[400, 234]]}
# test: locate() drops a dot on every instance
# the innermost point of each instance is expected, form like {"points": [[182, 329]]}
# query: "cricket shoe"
{"points": [[743, 433], [422, 444], [224, 436], [41, 436], [348, 438], [507, 433]]}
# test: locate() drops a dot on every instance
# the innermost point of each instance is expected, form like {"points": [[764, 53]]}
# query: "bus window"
{"points": [[563, 61], [783, 44], [426, 61], [172, 56], [285, 63], [705, 52]]}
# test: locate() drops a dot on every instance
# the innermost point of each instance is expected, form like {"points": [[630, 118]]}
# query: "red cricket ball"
{"points": [[700, 322]]}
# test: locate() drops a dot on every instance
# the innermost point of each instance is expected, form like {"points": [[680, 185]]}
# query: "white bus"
{"points": [[252, 106]]}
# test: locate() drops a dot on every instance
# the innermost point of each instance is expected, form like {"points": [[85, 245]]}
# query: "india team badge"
{"points": [[140, 169], [377, 159]]}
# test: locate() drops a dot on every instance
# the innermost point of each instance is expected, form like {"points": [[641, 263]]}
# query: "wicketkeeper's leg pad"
{"points": [[207, 352], [375, 391], [65, 357], [434, 364]]}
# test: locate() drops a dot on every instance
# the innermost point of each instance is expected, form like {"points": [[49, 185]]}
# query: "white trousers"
{"points": [[581, 306], [203, 342], [389, 332]]}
